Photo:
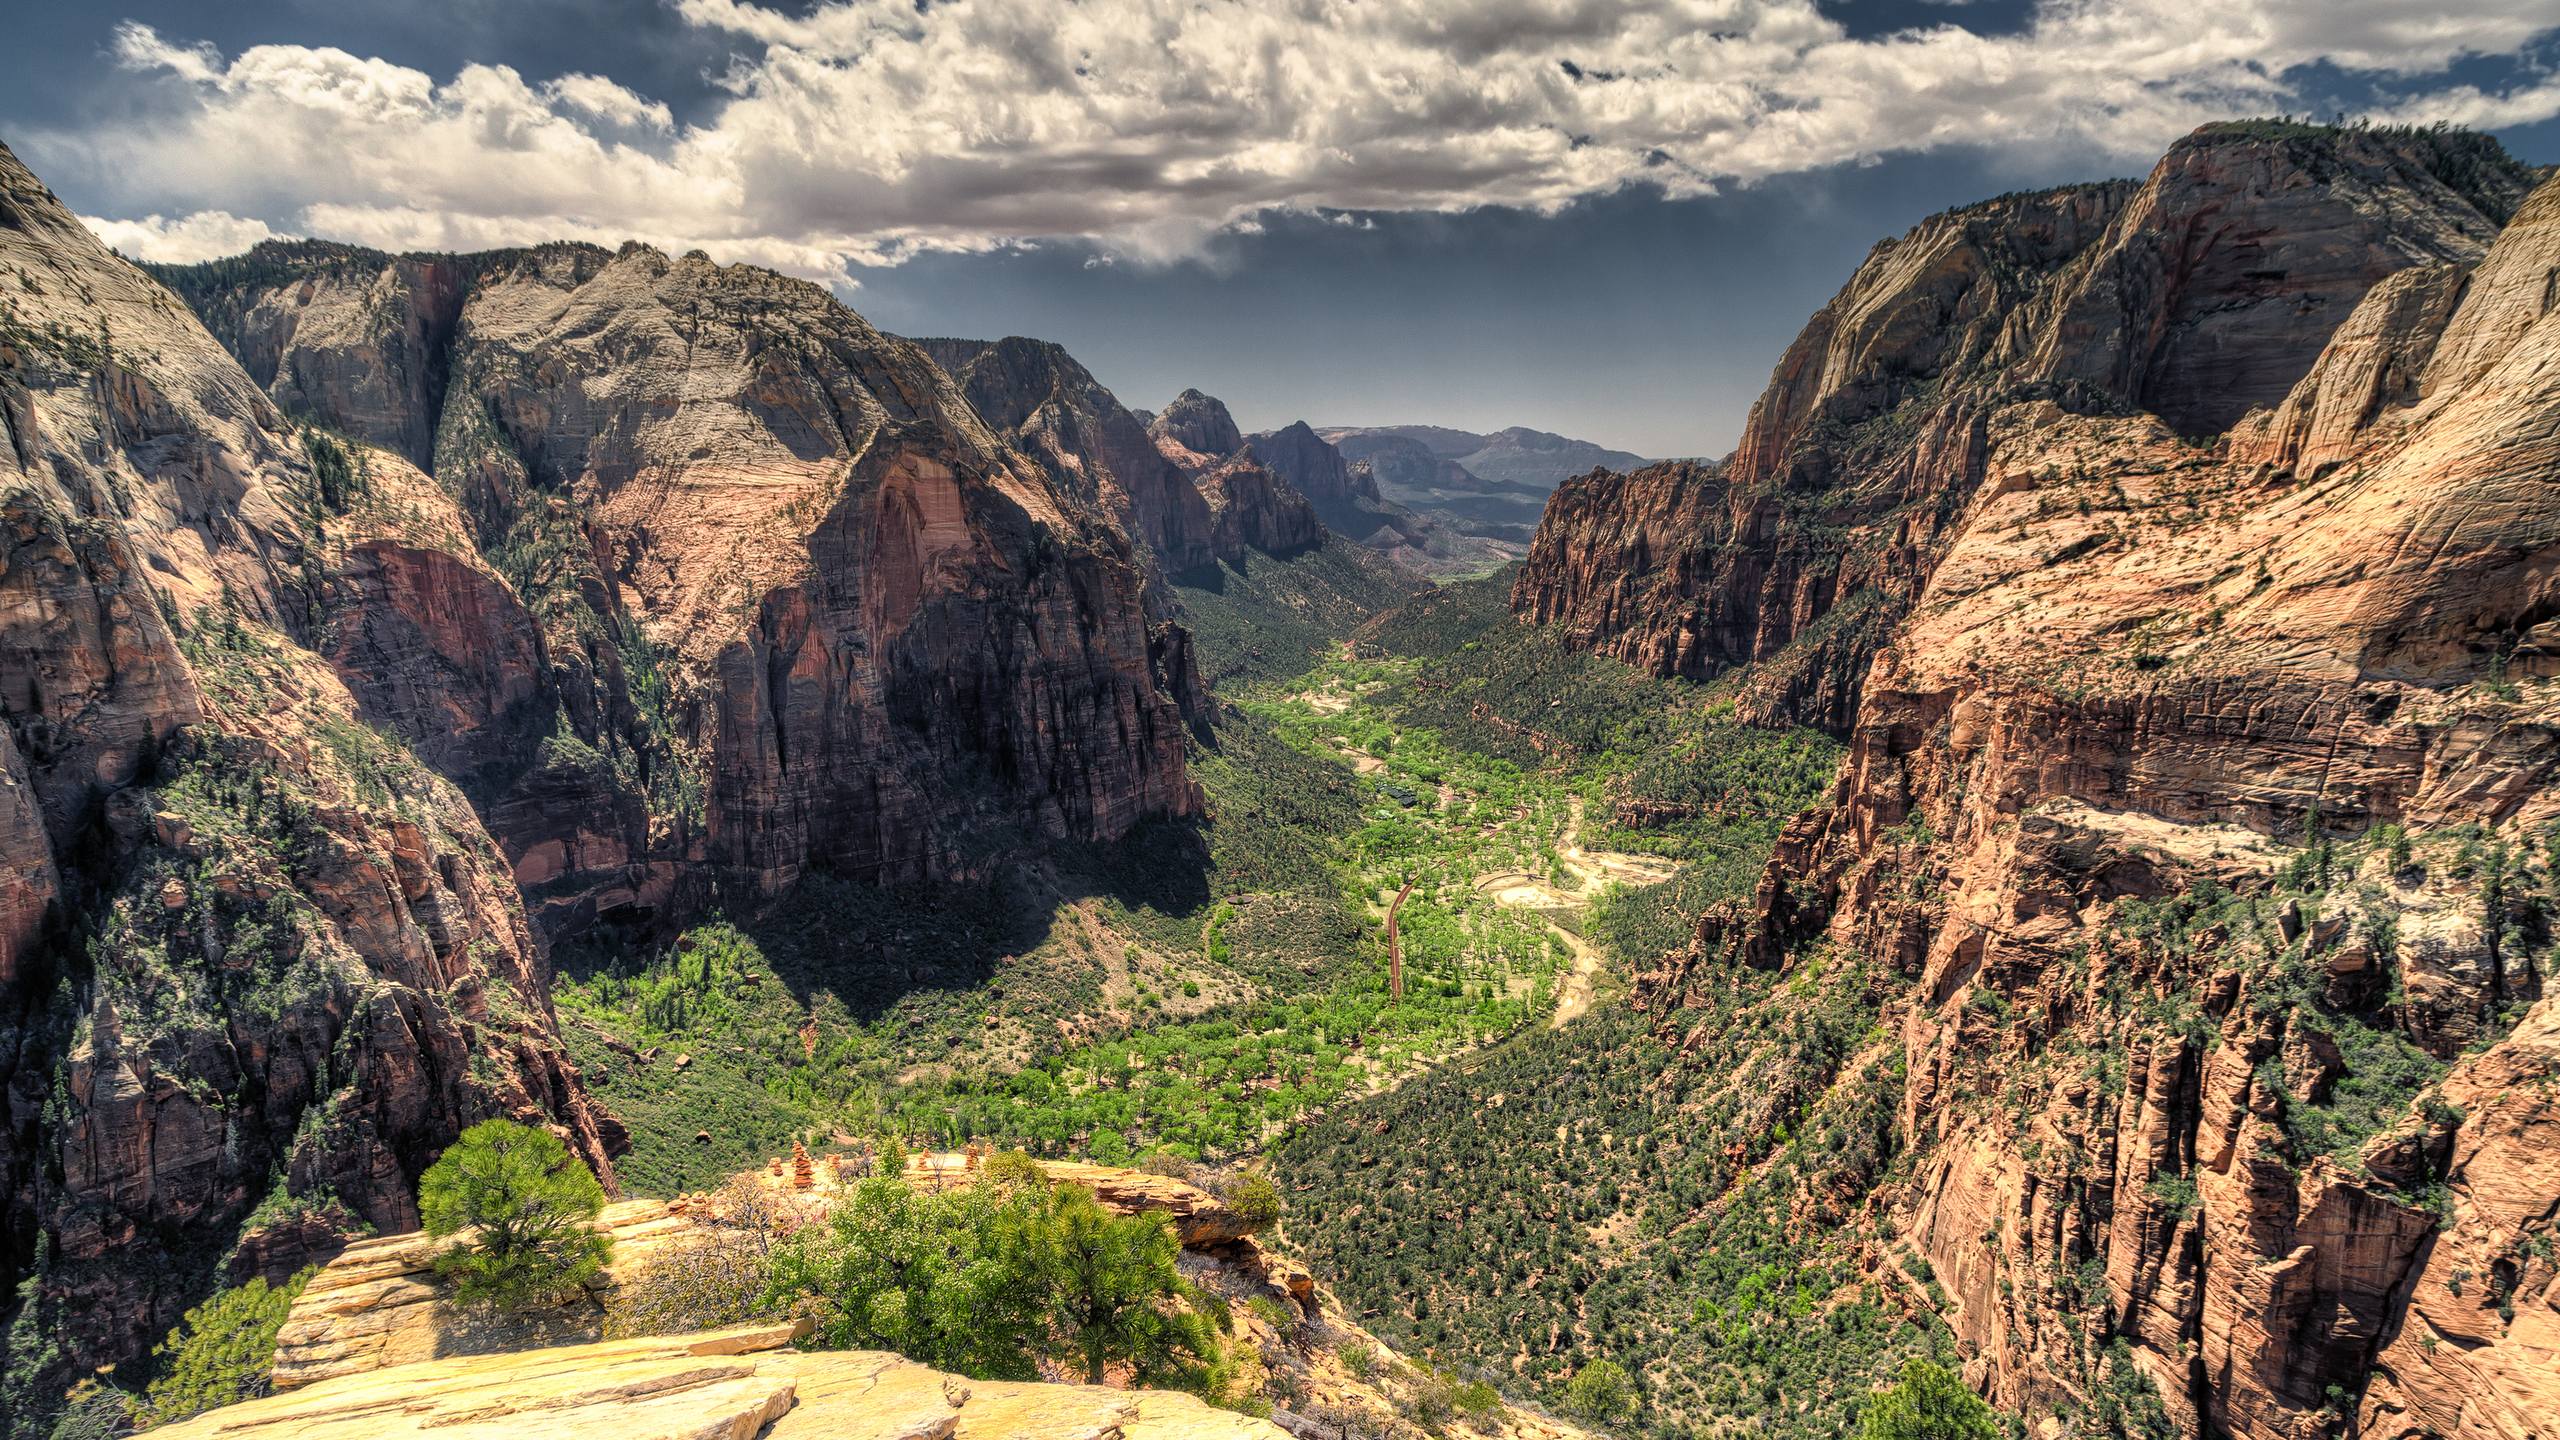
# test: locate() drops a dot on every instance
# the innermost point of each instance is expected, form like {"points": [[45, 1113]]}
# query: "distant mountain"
{"points": [[1491, 487], [1514, 456]]}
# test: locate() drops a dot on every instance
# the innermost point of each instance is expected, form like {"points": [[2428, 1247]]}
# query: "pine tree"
{"points": [[1113, 1282], [1927, 1403], [528, 1202]]}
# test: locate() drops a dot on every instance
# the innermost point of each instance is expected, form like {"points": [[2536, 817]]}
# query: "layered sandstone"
{"points": [[250, 951], [737, 1384], [2209, 287], [2142, 677], [736, 585], [347, 337], [1050, 407]]}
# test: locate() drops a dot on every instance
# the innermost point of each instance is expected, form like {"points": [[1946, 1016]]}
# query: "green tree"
{"points": [[223, 1351], [950, 1278], [529, 1204], [1115, 1293], [1928, 1403], [1600, 1392]]}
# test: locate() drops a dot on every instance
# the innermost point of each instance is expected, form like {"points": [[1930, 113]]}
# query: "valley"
{"points": [[2027, 890], [1112, 1013]]}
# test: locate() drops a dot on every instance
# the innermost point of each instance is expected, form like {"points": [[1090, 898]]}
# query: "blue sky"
{"points": [[1604, 217]]}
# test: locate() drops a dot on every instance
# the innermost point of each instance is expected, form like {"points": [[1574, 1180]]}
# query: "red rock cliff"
{"points": [[2194, 812], [250, 952], [2208, 287], [739, 585]]}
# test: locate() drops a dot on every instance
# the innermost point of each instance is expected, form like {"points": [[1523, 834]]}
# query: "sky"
{"points": [[1599, 217]]}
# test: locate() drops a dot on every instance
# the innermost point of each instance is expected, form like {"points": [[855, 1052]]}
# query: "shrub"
{"points": [[725, 1277], [93, 1411], [223, 1351], [1928, 1403], [1600, 1392], [1166, 1161], [948, 1278], [528, 1203], [990, 1278], [1254, 1198]]}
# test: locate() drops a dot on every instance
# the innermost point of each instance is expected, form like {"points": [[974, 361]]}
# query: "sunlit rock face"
{"points": [[2208, 288], [2119, 673]]}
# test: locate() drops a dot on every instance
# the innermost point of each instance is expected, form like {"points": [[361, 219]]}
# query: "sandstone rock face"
{"points": [[1035, 395], [830, 547], [1257, 510], [1281, 490], [2210, 287], [337, 334], [1314, 468], [738, 1384], [1250, 506], [248, 949], [1197, 423], [2223, 278], [2143, 689], [736, 584]]}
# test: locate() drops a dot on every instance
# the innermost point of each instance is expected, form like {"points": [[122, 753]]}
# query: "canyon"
{"points": [[2111, 628], [2044, 859]]}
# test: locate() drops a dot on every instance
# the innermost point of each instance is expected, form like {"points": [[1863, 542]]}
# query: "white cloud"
{"points": [[864, 130], [204, 235]]}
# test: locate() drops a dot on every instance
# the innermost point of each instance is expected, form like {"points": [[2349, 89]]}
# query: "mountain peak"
{"points": [[1199, 423]]}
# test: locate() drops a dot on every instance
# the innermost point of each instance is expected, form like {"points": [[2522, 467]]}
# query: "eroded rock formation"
{"points": [[601, 584], [2194, 810], [255, 959], [1050, 407], [731, 583], [2209, 287], [738, 1384]]}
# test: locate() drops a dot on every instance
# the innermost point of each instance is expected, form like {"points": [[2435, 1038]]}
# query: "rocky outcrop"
{"points": [[255, 958], [1198, 424], [2211, 286], [375, 1322], [738, 1384], [1048, 406], [1315, 469], [350, 338], [1250, 506], [2183, 812], [737, 585], [2224, 276], [1258, 510], [380, 1303]]}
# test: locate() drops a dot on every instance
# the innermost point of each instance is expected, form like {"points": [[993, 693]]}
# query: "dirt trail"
{"points": [[1591, 870]]}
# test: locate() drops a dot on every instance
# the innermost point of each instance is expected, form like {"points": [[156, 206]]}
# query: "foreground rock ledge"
{"points": [[717, 1385], [380, 1304]]}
